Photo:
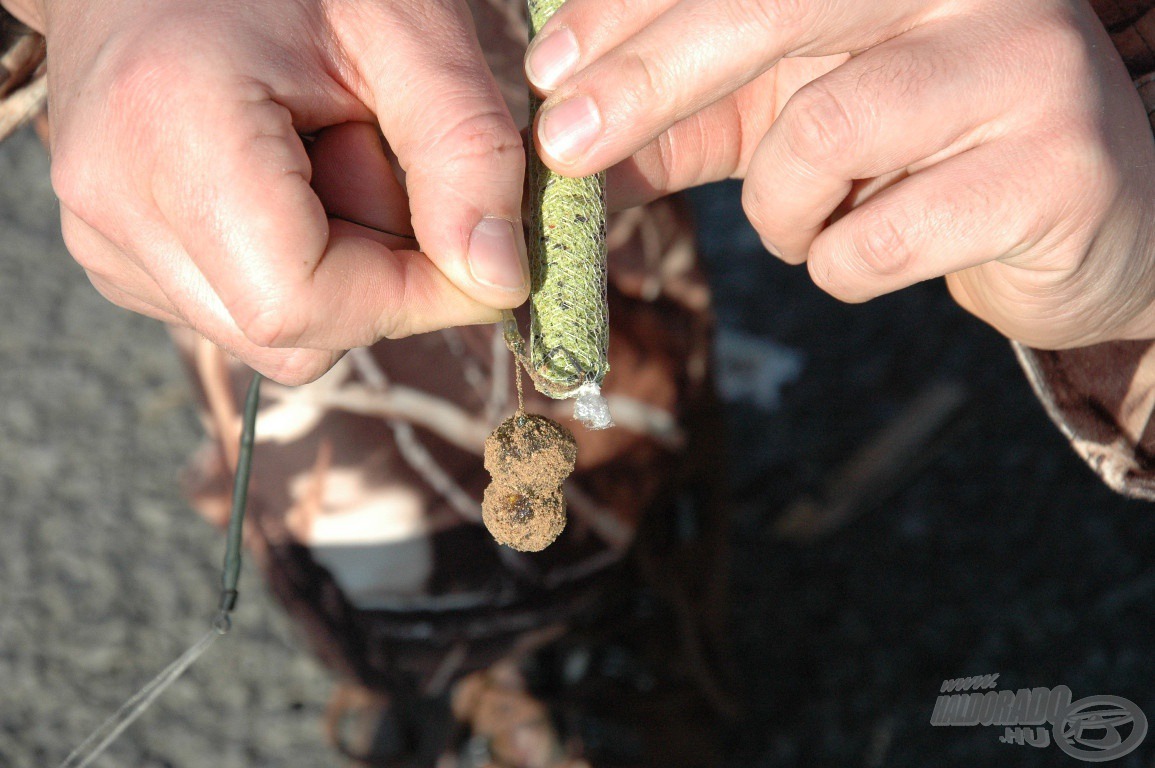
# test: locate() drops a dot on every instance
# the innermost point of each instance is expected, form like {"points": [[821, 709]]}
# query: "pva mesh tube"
{"points": [[569, 318]]}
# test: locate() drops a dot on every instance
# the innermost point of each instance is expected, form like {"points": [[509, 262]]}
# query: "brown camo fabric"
{"points": [[23, 76], [1131, 24]]}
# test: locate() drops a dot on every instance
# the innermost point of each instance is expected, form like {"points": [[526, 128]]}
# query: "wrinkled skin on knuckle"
{"points": [[466, 144], [1111, 270], [753, 111], [880, 246], [396, 325], [601, 22], [267, 320], [903, 75], [661, 172], [640, 88], [1063, 48], [709, 145], [820, 126], [487, 137], [1090, 177], [107, 130], [393, 322], [268, 132], [1067, 198], [766, 16]]}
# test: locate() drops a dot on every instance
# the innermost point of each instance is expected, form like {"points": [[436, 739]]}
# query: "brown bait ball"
{"points": [[530, 450], [527, 519]]}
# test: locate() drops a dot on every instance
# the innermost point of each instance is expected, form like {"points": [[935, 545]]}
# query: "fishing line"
{"points": [[100, 739]]}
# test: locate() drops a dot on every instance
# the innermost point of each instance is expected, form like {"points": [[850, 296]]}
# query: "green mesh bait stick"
{"points": [[569, 319]]}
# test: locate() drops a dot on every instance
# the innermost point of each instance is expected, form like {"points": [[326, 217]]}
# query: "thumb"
{"points": [[442, 112]]}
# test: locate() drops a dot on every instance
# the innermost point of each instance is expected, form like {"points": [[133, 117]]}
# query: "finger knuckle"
{"points": [[144, 77], [901, 75], [880, 246], [486, 136], [394, 326], [1063, 47], [644, 81], [820, 127], [74, 179], [394, 320], [773, 16], [269, 321], [137, 85]]}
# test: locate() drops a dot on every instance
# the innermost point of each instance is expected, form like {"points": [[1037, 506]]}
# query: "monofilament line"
{"points": [[100, 739]]}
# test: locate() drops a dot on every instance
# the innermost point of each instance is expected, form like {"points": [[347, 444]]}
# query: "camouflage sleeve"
{"points": [[1131, 24], [1102, 397], [23, 82], [1132, 27]]}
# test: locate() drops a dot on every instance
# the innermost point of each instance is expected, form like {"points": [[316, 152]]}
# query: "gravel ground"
{"points": [[106, 575], [1003, 555]]}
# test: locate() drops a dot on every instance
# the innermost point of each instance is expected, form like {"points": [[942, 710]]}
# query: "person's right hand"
{"points": [[998, 143], [188, 195]]}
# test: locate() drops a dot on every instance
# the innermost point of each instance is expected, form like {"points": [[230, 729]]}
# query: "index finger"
{"points": [[636, 85]]}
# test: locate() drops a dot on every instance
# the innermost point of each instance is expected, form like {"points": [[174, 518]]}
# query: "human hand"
{"points": [[997, 142], [188, 195]]}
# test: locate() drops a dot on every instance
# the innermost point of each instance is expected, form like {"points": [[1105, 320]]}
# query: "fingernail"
{"points": [[552, 59], [497, 255], [569, 129]]}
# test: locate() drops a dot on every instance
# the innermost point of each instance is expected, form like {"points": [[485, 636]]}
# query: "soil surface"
{"points": [[1000, 552]]}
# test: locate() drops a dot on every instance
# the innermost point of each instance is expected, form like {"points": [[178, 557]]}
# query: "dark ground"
{"points": [[1004, 555]]}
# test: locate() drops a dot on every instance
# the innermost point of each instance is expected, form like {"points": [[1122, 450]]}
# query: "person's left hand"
{"points": [[998, 142]]}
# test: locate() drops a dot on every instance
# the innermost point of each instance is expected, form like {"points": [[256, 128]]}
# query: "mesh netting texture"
{"points": [[569, 320]]}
